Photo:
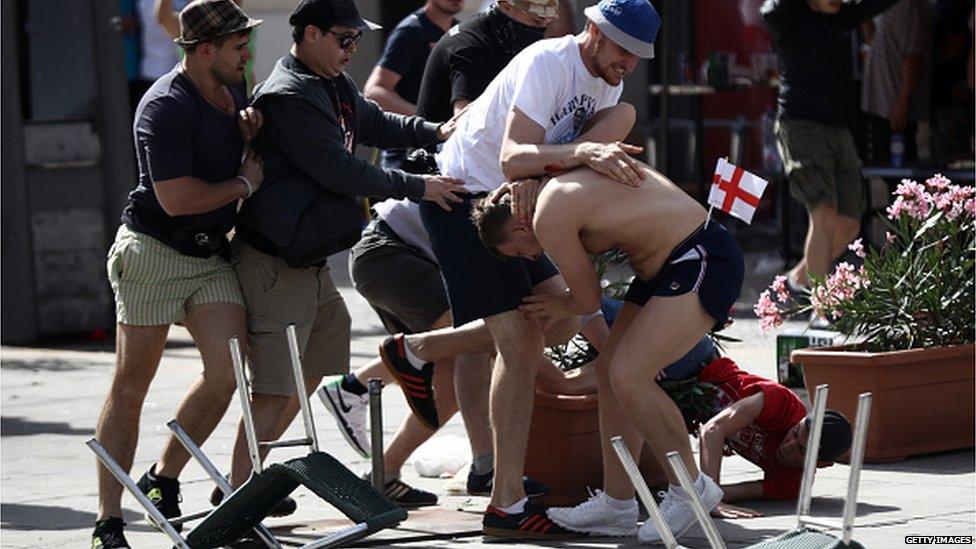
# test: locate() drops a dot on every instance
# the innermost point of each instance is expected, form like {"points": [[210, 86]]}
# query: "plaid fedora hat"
{"points": [[202, 20]]}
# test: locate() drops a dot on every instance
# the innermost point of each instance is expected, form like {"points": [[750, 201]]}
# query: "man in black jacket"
{"points": [[307, 209]]}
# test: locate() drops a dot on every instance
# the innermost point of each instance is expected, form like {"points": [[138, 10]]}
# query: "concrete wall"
{"points": [[273, 38]]}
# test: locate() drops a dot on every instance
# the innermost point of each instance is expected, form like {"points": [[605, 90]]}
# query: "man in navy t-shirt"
{"points": [[168, 262], [395, 81]]}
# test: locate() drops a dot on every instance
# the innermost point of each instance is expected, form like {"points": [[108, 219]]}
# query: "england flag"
{"points": [[736, 191]]}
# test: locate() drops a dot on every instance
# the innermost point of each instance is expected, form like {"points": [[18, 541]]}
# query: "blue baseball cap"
{"points": [[632, 24]]}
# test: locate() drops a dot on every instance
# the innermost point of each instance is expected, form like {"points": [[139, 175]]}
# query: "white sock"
{"points": [[620, 504], [516, 507], [413, 359]]}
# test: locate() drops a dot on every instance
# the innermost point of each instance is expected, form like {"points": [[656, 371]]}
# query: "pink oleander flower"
{"points": [[910, 198], [779, 287], [907, 292], [937, 181], [768, 312], [896, 208]]}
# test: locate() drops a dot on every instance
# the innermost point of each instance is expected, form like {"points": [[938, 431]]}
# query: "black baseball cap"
{"points": [[835, 436], [325, 13]]}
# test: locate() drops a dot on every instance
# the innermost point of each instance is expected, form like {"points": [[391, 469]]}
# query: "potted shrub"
{"points": [[908, 314]]}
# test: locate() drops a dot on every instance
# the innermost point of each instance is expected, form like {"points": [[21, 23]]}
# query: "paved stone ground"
{"points": [[51, 395]]}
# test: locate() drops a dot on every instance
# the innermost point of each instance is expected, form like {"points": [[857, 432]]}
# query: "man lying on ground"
{"points": [[767, 424]]}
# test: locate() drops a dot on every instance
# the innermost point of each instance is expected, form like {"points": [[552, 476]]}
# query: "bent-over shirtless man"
{"points": [[689, 274]]}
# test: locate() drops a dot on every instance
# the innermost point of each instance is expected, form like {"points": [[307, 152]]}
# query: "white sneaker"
{"points": [[596, 516], [677, 511], [349, 411]]}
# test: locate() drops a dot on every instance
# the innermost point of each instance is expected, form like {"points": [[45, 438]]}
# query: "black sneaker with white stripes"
{"points": [[404, 495], [407, 496]]}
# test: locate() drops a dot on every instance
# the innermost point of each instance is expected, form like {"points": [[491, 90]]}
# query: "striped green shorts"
{"points": [[154, 284]]}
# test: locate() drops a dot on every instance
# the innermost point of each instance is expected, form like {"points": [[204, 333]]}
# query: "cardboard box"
{"points": [[787, 373]]}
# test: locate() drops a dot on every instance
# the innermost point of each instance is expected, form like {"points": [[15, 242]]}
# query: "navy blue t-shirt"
{"points": [[178, 133], [406, 52]]}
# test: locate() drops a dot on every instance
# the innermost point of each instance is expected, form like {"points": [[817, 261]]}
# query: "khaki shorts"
{"points": [[155, 284], [821, 164], [278, 295]]}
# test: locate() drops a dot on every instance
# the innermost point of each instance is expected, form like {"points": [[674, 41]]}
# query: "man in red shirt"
{"points": [[767, 424]]}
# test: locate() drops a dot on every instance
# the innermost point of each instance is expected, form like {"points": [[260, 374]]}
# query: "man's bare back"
{"points": [[646, 223]]}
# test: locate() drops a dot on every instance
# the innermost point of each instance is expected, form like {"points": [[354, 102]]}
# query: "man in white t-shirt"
{"points": [[552, 108]]}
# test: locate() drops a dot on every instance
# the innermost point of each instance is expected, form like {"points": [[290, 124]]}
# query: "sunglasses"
{"points": [[347, 40]]}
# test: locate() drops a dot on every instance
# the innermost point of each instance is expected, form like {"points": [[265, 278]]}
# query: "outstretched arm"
{"points": [[723, 425], [168, 18], [557, 230]]}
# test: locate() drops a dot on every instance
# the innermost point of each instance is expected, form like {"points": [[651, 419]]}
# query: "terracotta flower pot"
{"points": [[564, 448], [923, 398]]}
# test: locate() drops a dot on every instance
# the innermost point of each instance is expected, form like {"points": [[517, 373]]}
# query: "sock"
{"points": [[620, 504], [413, 359], [351, 384], [515, 508], [390, 477], [483, 464]]}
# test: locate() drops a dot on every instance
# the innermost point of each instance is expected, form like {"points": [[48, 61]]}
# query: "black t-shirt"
{"points": [[815, 57], [179, 133], [406, 52], [466, 60]]}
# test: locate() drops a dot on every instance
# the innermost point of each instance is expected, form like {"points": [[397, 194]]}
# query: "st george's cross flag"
{"points": [[736, 191]]}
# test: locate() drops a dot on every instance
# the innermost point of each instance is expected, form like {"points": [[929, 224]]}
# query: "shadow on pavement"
{"points": [[15, 426], [954, 462], [45, 365], [22, 516]]}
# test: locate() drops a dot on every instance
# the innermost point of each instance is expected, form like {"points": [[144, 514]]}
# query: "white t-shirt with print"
{"points": [[546, 81]]}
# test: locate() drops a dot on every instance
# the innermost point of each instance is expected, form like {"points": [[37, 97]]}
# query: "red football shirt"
{"points": [[759, 440]]}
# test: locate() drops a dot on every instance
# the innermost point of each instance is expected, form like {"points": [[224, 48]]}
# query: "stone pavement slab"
{"points": [[51, 395]]}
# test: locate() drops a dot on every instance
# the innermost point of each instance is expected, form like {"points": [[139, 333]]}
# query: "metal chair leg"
{"points": [[711, 532], [857, 460], [124, 479], [654, 514]]}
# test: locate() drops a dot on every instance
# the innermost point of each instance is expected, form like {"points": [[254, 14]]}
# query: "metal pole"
{"points": [[714, 538], [296, 367], [810, 460], [245, 396], [201, 458], [654, 514], [857, 460], [376, 433], [124, 479], [214, 474], [663, 47]]}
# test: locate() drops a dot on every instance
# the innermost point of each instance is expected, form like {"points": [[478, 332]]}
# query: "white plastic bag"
{"points": [[442, 456]]}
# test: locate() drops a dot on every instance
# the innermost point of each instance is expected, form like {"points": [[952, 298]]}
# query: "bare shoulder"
{"points": [[570, 185]]}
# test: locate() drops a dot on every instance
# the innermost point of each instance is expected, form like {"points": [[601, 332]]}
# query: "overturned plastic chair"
{"points": [[242, 510], [804, 536]]}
